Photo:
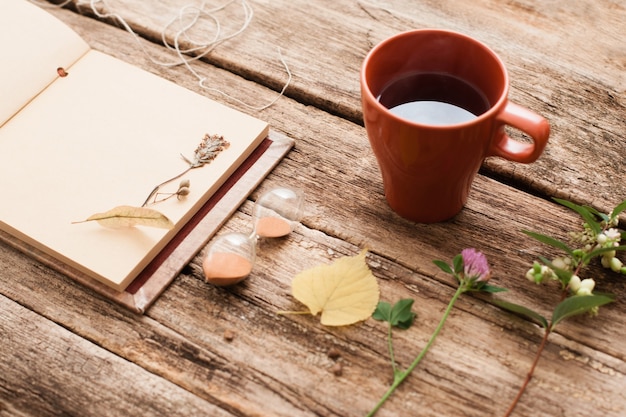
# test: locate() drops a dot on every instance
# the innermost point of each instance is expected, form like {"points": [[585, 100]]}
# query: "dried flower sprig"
{"points": [[599, 238], [472, 272], [206, 151], [182, 192], [128, 216]]}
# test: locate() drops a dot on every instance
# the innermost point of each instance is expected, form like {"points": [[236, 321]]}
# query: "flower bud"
{"points": [[601, 238], [559, 263], [606, 261], [616, 265], [574, 283], [586, 287]]}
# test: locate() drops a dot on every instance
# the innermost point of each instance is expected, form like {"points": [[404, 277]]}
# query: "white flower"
{"points": [[586, 287], [562, 263], [574, 283], [547, 273], [613, 234]]}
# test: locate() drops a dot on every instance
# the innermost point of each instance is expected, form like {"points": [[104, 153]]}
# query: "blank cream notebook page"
{"points": [[103, 136]]}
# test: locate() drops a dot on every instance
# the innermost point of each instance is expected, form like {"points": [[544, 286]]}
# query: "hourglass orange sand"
{"points": [[231, 257]]}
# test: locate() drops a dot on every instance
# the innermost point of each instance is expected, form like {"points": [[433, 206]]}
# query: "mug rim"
{"points": [[495, 108]]}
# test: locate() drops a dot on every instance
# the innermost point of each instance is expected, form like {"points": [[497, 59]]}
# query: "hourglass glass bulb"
{"points": [[229, 259], [277, 212]]}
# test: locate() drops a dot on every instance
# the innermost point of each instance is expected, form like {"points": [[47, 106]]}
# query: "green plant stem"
{"points": [[392, 355], [530, 373], [399, 377]]}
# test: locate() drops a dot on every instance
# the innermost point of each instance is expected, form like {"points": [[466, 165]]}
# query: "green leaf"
{"points": [[584, 212], [492, 289], [444, 267], [596, 213], [382, 312], [578, 304], [549, 241], [521, 310], [617, 210], [597, 252], [401, 314], [458, 263], [605, 294]]}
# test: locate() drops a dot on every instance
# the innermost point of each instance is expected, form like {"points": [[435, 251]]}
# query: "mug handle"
{"points": [[528, 122]]}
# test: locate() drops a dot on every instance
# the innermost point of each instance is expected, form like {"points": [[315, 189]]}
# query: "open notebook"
{"points": [[103, 136]]}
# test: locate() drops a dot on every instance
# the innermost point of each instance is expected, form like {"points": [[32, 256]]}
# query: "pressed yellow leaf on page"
{"points": [[128, 216], [345, 291]]}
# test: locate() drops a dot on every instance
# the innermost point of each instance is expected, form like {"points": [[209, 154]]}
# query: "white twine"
{"points": [[189, 17], [65, 3]]}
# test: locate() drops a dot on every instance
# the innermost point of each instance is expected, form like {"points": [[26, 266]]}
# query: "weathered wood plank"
{"points": [[280, 365], [575, 77], [326, 173], [47, 370], [336, 190]]}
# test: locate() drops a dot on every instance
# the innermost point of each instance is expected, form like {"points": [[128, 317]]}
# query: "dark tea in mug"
{"points": [[452, 93], [433, 99]]}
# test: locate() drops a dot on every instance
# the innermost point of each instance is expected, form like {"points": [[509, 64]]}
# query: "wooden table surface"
{"points": [[202, 350]]}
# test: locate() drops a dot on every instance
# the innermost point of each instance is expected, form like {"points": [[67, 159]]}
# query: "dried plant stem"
{"points": [[529, 376], [158, 187], [283, 312]]}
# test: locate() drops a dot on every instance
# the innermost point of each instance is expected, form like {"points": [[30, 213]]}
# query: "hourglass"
{"points": [[277, 212], [230, 257]]}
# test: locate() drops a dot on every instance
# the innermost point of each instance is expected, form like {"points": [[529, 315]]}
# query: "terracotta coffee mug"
{"points": [[435, 106]]}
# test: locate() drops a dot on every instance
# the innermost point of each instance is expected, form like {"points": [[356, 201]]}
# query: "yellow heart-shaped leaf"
{"points": [[345, 291]]}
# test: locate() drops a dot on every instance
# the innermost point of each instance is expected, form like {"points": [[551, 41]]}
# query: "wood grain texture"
{"points": [[563, 63], [52, 371], [204, 350]]}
